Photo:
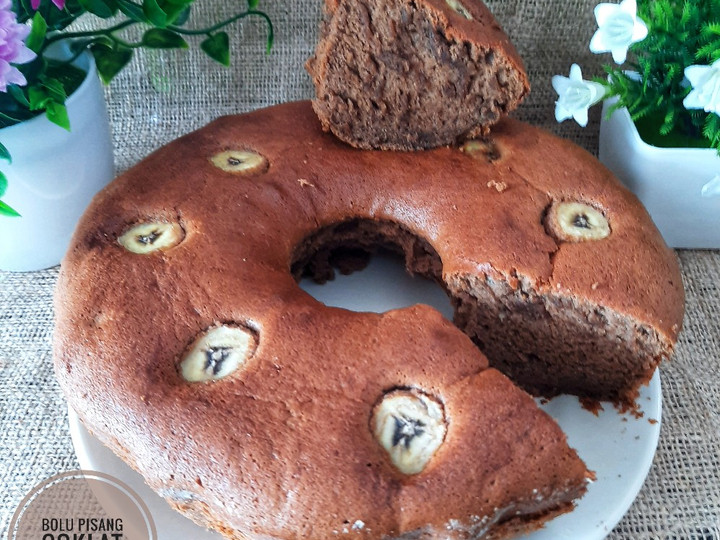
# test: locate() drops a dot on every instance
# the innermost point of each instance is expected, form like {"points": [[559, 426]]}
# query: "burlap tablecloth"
{"points": [[165, 94]]}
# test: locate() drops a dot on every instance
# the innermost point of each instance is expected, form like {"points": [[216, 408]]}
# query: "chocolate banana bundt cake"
{"points": [[184, 342]]}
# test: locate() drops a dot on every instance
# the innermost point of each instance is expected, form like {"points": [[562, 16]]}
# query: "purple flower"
{"points": [[60, 4], [12, 47]]}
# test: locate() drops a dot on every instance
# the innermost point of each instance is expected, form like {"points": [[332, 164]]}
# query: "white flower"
{"points": [[576, 96], [705, 81], [618, 28]]}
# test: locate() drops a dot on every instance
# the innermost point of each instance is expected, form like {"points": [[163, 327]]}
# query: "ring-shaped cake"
{"points": [[184, 342]]}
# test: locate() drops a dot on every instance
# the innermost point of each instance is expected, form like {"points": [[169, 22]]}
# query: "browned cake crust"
{"points": [[284, 447], [406, 74]]}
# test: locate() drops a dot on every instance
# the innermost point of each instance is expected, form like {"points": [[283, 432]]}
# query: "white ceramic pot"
{"points": [[53, 176], [680, 187]]}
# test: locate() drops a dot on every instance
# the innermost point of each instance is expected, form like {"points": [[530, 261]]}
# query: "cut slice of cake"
{"points": [[504, 468], [412, 74]]}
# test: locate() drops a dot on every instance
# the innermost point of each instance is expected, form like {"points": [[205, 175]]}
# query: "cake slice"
{"points": [[504, 468], [406, 74]]}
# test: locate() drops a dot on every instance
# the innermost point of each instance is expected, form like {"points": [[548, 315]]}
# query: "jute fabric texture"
{"points": [[163, 94]]}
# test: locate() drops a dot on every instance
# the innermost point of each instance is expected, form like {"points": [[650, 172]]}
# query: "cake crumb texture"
{"points": [[411, 74]]}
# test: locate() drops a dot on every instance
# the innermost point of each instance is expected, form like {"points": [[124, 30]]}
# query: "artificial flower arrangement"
{"points": [[33, 82], [672, 88]]}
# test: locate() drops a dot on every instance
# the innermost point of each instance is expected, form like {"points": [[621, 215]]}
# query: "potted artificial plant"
{"points": [[660, 131], [55, 143]]}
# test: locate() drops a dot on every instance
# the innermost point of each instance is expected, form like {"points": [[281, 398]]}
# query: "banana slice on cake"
{"points": [[147, 237], [218, 353], [410, 425], [576, 222], [240, 162]]}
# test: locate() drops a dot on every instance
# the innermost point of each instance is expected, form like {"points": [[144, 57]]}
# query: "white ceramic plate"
{"points": [[618, 447]]}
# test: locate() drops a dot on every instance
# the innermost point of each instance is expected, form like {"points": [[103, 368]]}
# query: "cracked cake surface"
{"points": [[184, 342], [410, 74]]}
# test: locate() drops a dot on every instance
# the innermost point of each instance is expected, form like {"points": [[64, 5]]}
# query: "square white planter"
{"points": [[680, 187]]}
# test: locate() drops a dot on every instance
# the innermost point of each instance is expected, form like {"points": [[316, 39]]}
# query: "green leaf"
{"points": [[38, 30], [6, 210], [160, 38], [18, 95], [711, 130], [7, 120], [23, 9], [668, 122], [69, 76], [710, 29], [132, 11], [3, 184], [55, 89], [5, 154], [58, 19], [154, 13], [183, 16], [174, 9], [110, 61], [252, 4], [102, 8], [217, 47], [37, 97], [686, 13], [708, 49], [57, 114], [32, 70]]}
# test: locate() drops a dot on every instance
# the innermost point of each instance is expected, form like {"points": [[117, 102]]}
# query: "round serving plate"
{"points": [[618, 447]]}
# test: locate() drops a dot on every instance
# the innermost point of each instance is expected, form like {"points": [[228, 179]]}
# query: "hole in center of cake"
{"points": [[366, 265]]}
